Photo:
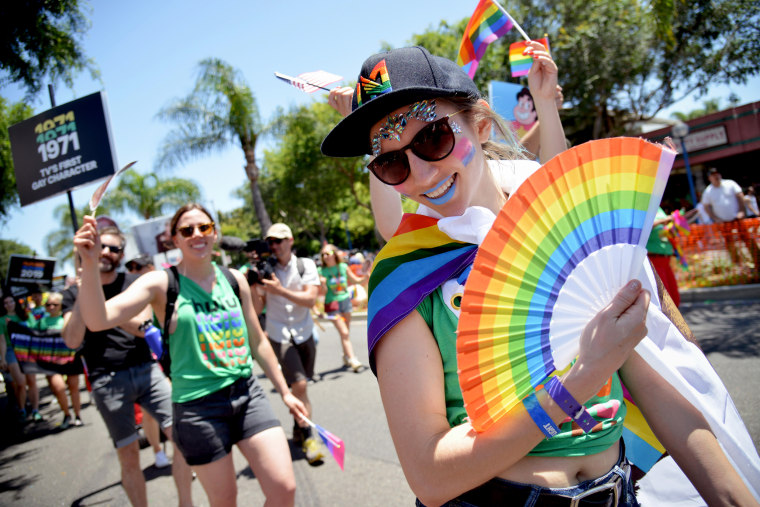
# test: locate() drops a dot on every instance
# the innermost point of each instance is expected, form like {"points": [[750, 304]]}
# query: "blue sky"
{"points": [[148, 52]]}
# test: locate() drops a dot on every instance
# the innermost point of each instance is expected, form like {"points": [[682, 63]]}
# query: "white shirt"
{"points": [[285, 319], [723, 199]]}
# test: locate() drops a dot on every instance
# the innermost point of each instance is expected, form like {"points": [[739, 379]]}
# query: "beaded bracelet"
{"points": [[569, 405], [539, 416]]}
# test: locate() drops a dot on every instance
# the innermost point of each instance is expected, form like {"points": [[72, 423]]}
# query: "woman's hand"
{"points": [[609, 338], [542, 77], [296, 406], [87, 241]]}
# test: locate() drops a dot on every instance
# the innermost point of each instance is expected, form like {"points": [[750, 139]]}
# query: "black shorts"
{"points": [[206, 429], [297, 361]]}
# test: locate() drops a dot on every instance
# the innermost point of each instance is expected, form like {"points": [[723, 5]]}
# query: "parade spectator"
{"points": [[750, 202], [140, 264], [431, 134], [37, 308], [19, 314], [211, 335], [335, 276], [8, 361], [289, 296], [122, 371], [660, 252], [54, 321], [724, 203]]}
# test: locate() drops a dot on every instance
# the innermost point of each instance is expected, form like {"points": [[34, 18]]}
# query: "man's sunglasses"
{"points": [[275, 241], [432, 143], [204, 229], [113, 248], [52, 304]]}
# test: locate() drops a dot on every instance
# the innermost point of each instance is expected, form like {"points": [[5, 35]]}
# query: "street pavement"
{"points": [[42, 466]]}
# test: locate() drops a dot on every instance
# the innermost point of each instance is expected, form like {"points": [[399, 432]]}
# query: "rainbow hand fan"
{"points": [[559, 250]]}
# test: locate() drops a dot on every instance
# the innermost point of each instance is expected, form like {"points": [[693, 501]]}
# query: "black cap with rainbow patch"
{"points": [[391, 80]]}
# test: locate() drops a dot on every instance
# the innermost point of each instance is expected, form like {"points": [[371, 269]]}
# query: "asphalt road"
{"points": [[42, 466]]}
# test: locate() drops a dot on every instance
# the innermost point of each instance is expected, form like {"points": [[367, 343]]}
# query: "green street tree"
{"points": [[220, 112], [310, 191], [708, 106], [623, 61], [9, 247], [9, 114], [149, 195], [41, 39]]}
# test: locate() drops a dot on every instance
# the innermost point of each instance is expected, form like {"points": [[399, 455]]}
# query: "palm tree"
{"points": [[219, 112], [150, 196]]}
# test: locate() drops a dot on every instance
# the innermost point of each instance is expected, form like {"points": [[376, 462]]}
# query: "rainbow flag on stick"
{"points": [[487, 23], [334, 444], [519, 63]]}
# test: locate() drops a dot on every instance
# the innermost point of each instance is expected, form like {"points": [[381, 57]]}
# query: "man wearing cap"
{"points": [[289, 296], [140, 264]]}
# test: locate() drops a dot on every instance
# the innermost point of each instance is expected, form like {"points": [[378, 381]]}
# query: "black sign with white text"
{"points": [[63, 148], [26, 273]]}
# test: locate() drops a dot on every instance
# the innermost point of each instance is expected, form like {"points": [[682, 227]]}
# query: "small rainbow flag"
{"points": [[487, 24], [519, 63], [334, 444]]}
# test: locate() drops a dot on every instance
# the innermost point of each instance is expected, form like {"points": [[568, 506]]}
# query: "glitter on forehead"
{"points": [[395, 124]]}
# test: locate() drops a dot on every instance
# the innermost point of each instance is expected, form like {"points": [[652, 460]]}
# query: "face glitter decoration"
{"points": [[395, 124]]}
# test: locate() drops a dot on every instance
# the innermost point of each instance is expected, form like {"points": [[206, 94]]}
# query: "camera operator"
{"points": [[290, 294]]}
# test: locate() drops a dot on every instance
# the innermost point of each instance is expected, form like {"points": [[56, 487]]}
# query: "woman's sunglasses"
{"points": [[432, 143], [204, 229]]}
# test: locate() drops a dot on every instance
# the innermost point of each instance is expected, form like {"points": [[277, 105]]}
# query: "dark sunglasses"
{"points": [[52, 304], [275, 241], [432, 143], [204, 229], [113, 248]]}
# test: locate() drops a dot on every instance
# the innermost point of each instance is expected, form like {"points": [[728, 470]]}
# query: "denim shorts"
{"points": [[297, 361], [10, 356], [503, 492], [205, 429], [343, 306], [116, 393]]}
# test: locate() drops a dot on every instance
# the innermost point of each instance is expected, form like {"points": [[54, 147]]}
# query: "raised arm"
{"points": [[97, 314], [542, 80]]}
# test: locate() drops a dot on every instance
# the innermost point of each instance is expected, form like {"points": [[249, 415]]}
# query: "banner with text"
{"points": [[63, 148], [26, 273]]}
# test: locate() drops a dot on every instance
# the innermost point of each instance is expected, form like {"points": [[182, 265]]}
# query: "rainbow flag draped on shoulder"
{"points": [[417, 260], [487, 24]]}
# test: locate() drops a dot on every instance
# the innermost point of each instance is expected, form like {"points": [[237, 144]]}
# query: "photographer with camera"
{"points": [[290, 291]]}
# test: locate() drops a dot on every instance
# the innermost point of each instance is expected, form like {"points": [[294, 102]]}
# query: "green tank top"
{"points": [[441, 313], [337, 282], [209, 348]]}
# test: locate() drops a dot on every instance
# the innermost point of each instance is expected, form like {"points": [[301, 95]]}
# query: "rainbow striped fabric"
{"points": [[487, 24], [416, 260], [33, 346], [519, 63]]}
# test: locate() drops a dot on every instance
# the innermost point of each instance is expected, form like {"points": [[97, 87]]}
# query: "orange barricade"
{"points": [[719, 254]]}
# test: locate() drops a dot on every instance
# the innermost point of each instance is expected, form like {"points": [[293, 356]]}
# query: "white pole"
{"points": [[516, 25]]}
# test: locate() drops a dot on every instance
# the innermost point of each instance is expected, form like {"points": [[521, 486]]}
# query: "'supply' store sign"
{"points": [[63, 148]]}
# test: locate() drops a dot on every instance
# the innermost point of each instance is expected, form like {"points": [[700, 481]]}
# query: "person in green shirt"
{"points": [[53, 320], [8, 361]]}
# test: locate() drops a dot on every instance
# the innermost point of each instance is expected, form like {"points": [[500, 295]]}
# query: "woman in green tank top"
{"points": [[213, 336]]}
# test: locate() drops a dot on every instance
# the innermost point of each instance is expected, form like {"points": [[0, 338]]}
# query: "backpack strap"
{"points": [[231, 280], [172, 291], [300, 266]]}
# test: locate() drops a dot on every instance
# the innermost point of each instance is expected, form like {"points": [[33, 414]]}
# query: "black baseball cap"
{"points": [[388, 81]]}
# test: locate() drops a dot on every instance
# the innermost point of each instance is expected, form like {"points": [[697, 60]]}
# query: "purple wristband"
{"points": [[569, 405]]}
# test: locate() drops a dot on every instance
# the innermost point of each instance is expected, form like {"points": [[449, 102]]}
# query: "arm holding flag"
{"points": [[542, 80]]}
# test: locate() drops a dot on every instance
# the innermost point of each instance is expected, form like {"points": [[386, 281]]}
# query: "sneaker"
{"points": [[66, 422], [353, 363], [313, 451], [78, 422], [298, 436], [162, 461], [36, 416]]}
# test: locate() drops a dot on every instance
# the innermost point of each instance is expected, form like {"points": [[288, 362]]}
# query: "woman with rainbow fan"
{"points": [[423, 120]]}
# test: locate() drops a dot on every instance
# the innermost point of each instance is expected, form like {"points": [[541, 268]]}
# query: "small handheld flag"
{"points": [[334, 444], [100, 192], [310, 82], [520, 64], [487, 23]]}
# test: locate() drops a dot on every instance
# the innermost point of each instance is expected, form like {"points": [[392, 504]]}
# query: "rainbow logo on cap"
{"points": [[371, 86]]}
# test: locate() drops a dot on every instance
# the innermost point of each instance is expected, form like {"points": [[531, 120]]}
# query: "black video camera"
{"points": [[263, 267]]}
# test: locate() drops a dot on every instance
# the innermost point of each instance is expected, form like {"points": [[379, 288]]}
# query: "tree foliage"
{"points": [[220, 112], [310, 191], [10, 114], [41, 39], [149, 195], [623, 61]]}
